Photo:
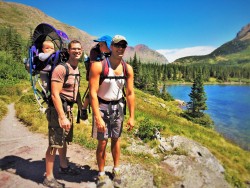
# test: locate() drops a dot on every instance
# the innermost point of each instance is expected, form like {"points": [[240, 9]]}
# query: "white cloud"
{"points": [[173, 54]]}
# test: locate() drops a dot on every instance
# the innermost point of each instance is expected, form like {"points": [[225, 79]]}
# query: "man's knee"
{"points": [[114, 140]]}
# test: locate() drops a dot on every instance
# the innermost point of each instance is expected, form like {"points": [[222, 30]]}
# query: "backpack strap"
{"points": [[105, 71], [67, 72]]}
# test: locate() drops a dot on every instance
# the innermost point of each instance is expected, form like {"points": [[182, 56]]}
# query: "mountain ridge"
{"points": [[16, 15], [235, 51]]}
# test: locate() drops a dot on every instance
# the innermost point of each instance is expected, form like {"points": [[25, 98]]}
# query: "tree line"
{"points": [[149, 76]]}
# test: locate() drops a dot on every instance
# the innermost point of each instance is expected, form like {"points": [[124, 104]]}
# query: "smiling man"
{"points": [[64, 88], [108, 105]]}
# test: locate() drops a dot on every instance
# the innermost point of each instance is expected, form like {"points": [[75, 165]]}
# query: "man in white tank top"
{"points": [[107, 106]]}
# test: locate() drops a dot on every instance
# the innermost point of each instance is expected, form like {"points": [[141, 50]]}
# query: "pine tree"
{"points": [[198, 98], [136, 71]]}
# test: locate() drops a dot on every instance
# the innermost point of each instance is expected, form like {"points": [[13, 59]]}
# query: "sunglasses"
{"points": [[117, 45]]}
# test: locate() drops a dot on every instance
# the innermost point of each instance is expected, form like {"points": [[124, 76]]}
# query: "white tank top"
{"points": [[111, 89]]}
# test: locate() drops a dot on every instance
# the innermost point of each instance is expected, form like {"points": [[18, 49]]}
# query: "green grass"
{"points": [[3, 109]]}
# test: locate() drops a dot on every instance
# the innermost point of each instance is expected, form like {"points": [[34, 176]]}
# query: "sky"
{"points": [[175, 28]]}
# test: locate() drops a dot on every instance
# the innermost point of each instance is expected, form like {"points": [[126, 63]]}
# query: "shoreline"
{"points": [[242, 143], [209, 83]]}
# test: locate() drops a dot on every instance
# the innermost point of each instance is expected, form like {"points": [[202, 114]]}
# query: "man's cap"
{"points": [[118, 38], [105, 38]]}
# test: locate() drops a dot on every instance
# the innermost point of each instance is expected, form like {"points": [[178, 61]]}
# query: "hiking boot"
{"points": [[53, 183], [102, 181], [117, 178], [69, 171], [84, 114]]}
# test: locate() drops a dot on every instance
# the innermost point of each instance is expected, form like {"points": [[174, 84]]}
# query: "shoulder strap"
{"points": [[125, 69], [67, 72], [105, 70], [105, 67]]}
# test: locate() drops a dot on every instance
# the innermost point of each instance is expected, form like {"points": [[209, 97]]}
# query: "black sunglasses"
{"points": [[117, 45]]}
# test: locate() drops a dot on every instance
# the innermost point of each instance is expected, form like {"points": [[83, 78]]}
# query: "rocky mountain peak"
{"points": [[145, 54], [244, 33]]}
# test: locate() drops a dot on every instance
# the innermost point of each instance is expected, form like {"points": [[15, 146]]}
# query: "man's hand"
{"points": [[100, 124], [130, 124], [64, 123]]}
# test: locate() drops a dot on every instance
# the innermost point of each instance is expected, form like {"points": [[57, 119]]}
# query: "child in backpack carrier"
{"points": [[47, 49]]}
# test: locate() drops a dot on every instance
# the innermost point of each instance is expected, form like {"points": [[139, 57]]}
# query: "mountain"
{"points": [[144, 53], [234, 52], [25, 19]]}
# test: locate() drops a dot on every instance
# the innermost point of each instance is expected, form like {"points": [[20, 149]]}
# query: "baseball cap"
{"points": [[118, 38], [105, 38]]}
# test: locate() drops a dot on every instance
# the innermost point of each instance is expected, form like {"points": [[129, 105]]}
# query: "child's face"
{"points": [[48, 47], [103, 47]]}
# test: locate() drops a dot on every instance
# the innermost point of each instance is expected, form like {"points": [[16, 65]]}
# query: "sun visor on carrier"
{"points": [[47, 32]]}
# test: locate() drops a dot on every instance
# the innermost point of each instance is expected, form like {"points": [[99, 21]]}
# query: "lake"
{"points": [[228, 106]]}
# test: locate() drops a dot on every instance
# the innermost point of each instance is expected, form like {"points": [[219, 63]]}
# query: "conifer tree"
{"points": [[197, 103], [136, 71]]}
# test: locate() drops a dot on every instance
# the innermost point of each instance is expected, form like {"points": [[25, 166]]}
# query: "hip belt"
{"points": [[114, 102]]}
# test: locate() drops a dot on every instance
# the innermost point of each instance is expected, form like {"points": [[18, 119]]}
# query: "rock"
{"points": [[162, 105], [193, 163], [137, 146], [134, 176]]}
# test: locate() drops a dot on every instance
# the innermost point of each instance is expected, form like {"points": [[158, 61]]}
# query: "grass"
{"points": [[3, 109], [235, 160]]}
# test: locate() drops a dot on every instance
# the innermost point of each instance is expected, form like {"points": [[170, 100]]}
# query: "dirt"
{"points": [[22, 158]]}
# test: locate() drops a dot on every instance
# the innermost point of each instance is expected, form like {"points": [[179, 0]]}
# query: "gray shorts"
{"points": [[114, 122], [57, 135]]}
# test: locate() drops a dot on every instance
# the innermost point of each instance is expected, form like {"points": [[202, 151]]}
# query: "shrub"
{"points": [[147, 129]]}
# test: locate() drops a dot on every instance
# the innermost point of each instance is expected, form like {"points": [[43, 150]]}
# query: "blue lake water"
{"points": [[228, 106]]}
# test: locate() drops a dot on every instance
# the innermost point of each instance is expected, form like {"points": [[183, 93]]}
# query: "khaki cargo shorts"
{"points": [[57, 135]]}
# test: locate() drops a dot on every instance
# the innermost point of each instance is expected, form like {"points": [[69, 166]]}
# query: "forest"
{"points": [[151, 77]]}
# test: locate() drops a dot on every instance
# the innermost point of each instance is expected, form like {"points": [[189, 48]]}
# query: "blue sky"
{"points": [[175, 28]]}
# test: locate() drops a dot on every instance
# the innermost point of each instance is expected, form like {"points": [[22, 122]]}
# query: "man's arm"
{"points": [[130, 96], [94, 77]]}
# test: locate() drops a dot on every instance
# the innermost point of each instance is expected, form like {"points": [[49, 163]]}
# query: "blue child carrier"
{"points": [[60, 39]]}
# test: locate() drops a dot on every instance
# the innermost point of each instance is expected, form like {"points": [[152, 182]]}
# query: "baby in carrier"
{"points": [[47, 49]]}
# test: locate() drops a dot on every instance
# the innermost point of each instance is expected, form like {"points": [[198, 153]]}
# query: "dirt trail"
{"points": [[22, 155]]}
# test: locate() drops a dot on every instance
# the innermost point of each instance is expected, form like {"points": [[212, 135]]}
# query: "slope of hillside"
{"points": [[233, 52], [25, 18]]}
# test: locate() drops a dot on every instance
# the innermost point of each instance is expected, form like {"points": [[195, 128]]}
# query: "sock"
{"points": [[101, 173]]}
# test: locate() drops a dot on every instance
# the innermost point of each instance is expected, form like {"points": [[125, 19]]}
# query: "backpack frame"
{"points": [[41, 33]]}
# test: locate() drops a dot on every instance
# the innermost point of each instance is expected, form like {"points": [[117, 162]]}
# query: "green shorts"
{"points": [[57, 135]]}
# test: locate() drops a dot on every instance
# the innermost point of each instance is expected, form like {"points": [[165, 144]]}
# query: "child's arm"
{"points": [[43, 56]]}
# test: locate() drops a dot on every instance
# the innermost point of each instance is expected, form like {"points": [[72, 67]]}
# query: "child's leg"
{"points": [[45, 80]]}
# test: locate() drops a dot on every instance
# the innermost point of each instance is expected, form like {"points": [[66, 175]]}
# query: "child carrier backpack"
{"points": [[41, 33], [100, 56]]}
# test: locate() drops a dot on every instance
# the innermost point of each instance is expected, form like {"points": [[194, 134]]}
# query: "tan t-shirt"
{"points": [[70, 88]]}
